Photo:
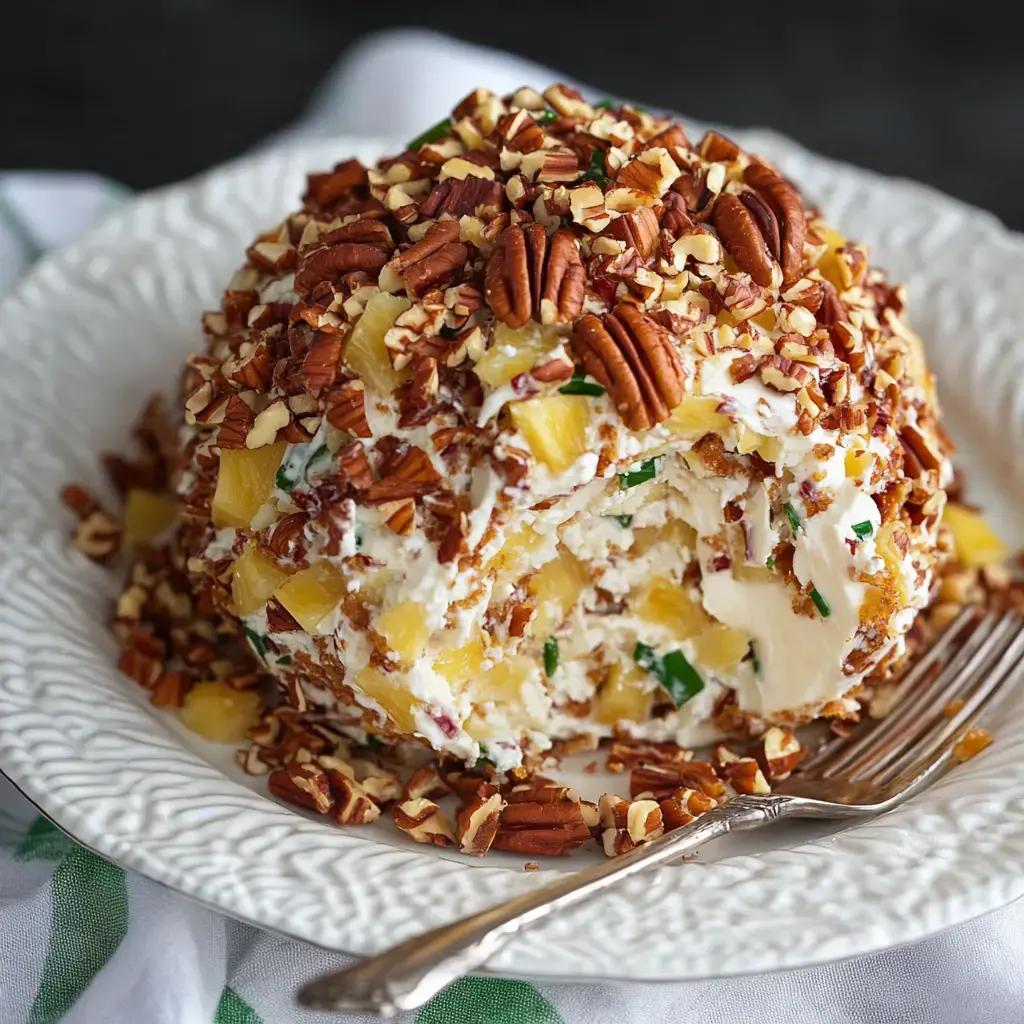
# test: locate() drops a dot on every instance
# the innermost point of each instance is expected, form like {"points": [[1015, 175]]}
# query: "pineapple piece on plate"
{"points": [[555, 428], [977, 544], [244, 482], [145, 515], [312, 594], [218, 712], [365, 351]]}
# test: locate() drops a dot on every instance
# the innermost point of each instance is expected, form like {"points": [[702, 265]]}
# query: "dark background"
{"points": [[153, 91]]}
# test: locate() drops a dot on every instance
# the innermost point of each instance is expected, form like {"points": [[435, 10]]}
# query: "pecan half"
{"points": [[530, 275], [478, 824], [433, 261], [785, 203], [362, 245], [459, 197], [635, 359], [639, 230], [738, 231], [412, 477], [320, 365]]}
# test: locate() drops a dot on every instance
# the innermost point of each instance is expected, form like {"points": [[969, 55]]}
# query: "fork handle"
{"points": [[408, 975]]}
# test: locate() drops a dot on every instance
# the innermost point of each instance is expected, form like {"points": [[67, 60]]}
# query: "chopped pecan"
{"points": [[746, 776], [528, 275], [681, 807], [304, 785], [460, 197], [264, 429], [628, 755], [784, 375], [626, 824], [739, 233], [639, 230], [785, 203], [98, 536], [478, 824], [418, 398], [425, 783], [381, 785], [399, 515], [556, 841], [635, 359], [433, 260], [325, 189], [716, 147], [413, 476], [279, 619], [352, 804], [235, 420], [354, 466], [144, 668], [926, 451], [362, 245], [346, 408], [782, 752], [663, 780], [320, 365], [421, 819]]}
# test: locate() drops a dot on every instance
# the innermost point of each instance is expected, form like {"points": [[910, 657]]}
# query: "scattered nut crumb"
{"points": [[972, 743]]}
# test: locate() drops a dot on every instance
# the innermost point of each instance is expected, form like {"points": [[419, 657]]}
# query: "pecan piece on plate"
{"points": [[531, 275], [738, 231], [478, 824], [635, 359], [421, 819], [785, 203]]}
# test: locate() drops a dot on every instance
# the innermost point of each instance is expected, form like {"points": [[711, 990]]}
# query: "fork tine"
{"points": [[917, 692], [984, 647], [996, 683]]}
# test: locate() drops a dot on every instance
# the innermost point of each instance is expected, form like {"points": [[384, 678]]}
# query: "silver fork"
{"points": [[882, 764]]}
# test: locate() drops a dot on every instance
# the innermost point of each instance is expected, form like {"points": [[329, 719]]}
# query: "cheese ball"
{"points": [[559, 424]]}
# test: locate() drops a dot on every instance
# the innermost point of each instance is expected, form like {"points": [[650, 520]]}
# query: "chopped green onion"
{"points": [[439, 131], [484, 758], [258, 642], [373, 742], [550, 656], [545, 117], [605, 105], [672, 670], [451, 333], [579, 385], [820, 603], [624, 521], [284, 481], [770, 564], [755, 660], [595, 171], [318, 454], [863, 530], [648, 471], [285, 659], [794, 519]]}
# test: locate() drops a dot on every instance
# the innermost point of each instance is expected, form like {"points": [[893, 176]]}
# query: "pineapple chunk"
{"points": [[675, 532], [721, 648], [218, 712], [623, 697], [769, 448], [555, 428], [888, 551], [397, 702], [365, 351], [517, 555], [460, 664], [858, 462], [254, 578], [503, 682], [557, 587], [976, 543], [514, 350], [404, 627], [668, 604], [244, 482], [145, 515], [829, 263], [478, 727], [696, 416], [312, 594]]}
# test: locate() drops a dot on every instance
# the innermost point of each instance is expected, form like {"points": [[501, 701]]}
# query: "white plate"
{"points": [[104, 322]]}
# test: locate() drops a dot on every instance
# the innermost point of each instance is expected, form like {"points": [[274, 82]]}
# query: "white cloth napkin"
{"points": [[84, 941]]}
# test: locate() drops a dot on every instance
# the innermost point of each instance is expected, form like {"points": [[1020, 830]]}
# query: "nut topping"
{"points": [[635, 358], [739, 232], [529, 276], [421, 819], [478, 824], [433, 261]]}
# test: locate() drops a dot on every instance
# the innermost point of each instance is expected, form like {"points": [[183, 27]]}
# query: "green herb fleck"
{"points": [[820, 603], [624, 521], [258, 642], [579, 385], [605, 104], [863, 530], [439, 131], [373, 742], [545, 117], [483, 758], [771, 563], [550, 656], [359, 539], [794, 519], [318, 454], [755, 660], [648, 471], [595, 171], [451, 333], [284, 481], [672, 670], [285, 659]]}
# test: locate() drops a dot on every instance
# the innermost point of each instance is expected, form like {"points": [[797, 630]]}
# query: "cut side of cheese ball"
{"points": [[559, 424]]}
